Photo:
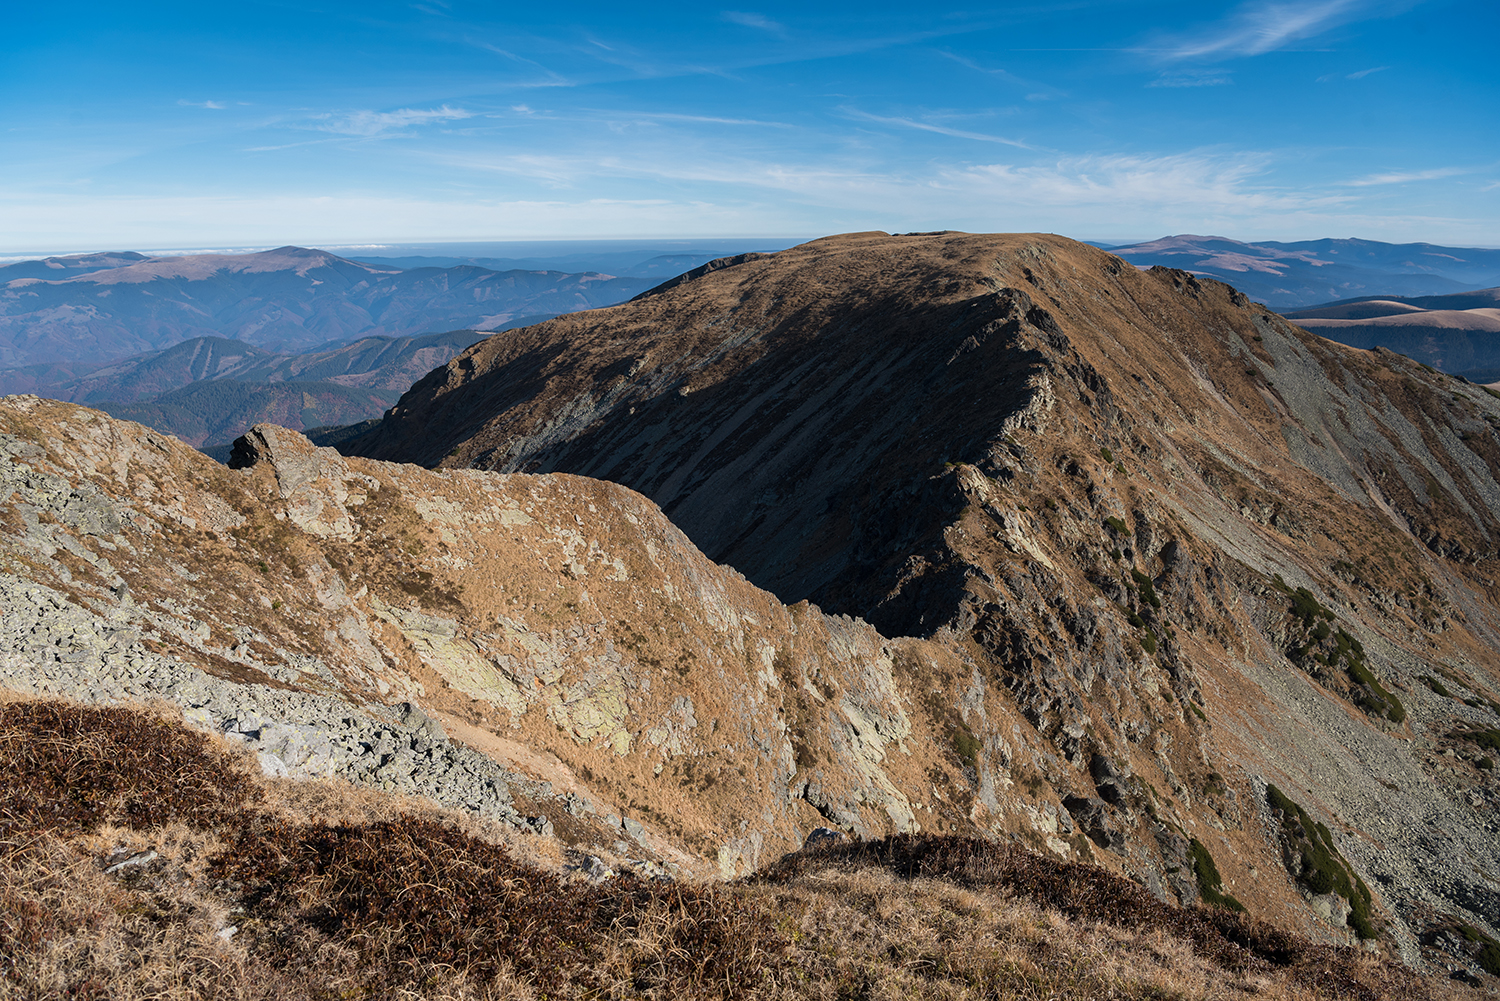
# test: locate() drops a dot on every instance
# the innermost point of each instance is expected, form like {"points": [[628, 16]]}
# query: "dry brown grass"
{"points": [[869, 934], [987, 922], [336, 893], [330, 892]]}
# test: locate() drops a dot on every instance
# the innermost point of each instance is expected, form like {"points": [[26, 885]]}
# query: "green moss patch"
{"points": [[1435, 686], [1315, 862], [1489, 739], [1489, 950], [1331, 648], [966, 745], [1145, 588], [1210, 884]]}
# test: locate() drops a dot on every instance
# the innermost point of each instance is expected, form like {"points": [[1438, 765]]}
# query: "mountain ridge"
{"points": [[1076, 472], [1291, 275], [288, 299]]}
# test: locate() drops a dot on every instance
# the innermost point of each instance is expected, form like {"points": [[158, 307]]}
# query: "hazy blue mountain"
{"points": [[622, 264], [284, 300], [215, 412], [391, 363], [1458, 333], [143, 376], [1294, 275], [209, 390], [622, 258], [53, 268]]}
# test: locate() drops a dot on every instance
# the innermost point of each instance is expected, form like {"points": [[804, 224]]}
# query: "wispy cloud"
{"points": [[1356, 75], [943, 130], [1186, 183], [1213, 189], [750, 20], [668, 116], [1039, 91], [1261, 26], [1193, 78], [1405, 177], [213, 105], [552, 78], [374, 123], [271, 149]]}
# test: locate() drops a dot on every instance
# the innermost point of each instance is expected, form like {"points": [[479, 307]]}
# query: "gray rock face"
{"points": [[1331, 908], [823, 837], [1092, 817], [52, 646]]}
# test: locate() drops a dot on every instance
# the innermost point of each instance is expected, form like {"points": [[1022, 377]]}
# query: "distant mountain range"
{"points": [[380, 363], [1298, 275], [203, 346], [93, 309], [1453, 333], [619, 264], [210, 390]]}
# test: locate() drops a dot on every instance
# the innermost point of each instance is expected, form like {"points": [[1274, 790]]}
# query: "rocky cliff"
{"points": [[1134, 545], [560, 624]]}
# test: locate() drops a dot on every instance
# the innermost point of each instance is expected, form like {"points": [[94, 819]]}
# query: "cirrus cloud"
{"points": [[374, 123], [1404, 177], [1262, 26]]}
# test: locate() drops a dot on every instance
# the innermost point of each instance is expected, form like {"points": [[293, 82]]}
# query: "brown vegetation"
{"points": [[250, 895]]}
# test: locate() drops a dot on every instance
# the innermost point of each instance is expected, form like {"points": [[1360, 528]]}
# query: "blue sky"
{"points": [[148, 126]]}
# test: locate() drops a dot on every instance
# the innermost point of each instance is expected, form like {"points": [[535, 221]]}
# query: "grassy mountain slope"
{"points": [[1158, 517]]}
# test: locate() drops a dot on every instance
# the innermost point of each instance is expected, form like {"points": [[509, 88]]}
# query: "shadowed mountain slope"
{"points": [[795, 413]]}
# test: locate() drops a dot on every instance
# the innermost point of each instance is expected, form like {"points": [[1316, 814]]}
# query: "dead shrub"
{"points": [[71, 768], [410, 894]]}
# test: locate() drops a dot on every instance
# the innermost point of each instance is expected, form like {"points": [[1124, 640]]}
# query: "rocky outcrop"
{"points": [[300, 599], [54, 647]]}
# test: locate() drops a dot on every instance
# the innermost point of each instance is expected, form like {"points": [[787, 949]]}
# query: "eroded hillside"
{"points": [[558, 623], [1202, 553]]}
